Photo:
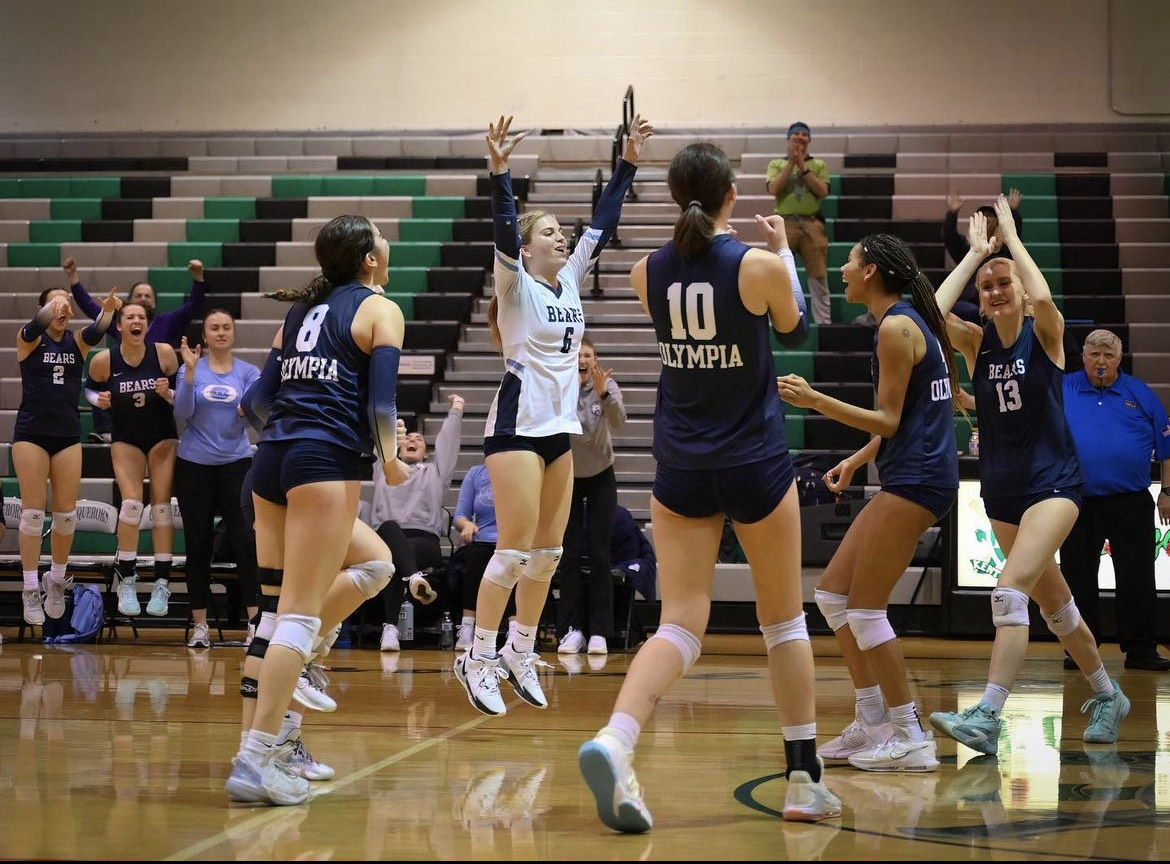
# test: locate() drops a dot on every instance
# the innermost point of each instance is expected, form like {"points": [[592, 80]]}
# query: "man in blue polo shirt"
{"points": [[1117, 422]]}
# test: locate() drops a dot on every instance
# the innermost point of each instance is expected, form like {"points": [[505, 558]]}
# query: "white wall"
{"points": [[80, 66]]}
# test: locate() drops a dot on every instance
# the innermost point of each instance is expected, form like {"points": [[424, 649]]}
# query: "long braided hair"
{"points": [[341, 247], [899, 271]]}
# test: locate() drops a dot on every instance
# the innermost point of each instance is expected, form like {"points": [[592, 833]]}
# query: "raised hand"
{"points": [[954, 201], [500, 146], [640, 130], [195, 267], [1014, 196], [69, 265], [977, 238], [111, 302], [456, 401], [796, 391], [599, 375], [1007, 225], [190, 358], [773, 231]]}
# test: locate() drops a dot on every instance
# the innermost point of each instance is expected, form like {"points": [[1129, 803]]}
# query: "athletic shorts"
{"points": [[745, 493], [549, 448], [1011, 508], [279, 466], [934, 498], [51, 444]]}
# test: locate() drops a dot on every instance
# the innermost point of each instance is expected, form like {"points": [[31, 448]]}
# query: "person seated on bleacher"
{"points": [[46, 442], [133, 381], [214, 455], [413, 512], [967, 306], [168, 327], [600, 409]]}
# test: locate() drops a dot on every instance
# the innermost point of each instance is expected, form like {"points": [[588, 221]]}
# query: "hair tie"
{"points": [[698, 204]]}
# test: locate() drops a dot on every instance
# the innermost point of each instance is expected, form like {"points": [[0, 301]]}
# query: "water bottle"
{"points": [[973, 444], [446, 633], [406, 622]]}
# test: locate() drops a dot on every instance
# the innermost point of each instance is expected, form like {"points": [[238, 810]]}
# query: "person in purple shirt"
{"points": [[213, 457], [168, 327]]}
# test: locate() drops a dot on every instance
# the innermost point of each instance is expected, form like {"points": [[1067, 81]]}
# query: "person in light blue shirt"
{"points": [[1117, 423], [475, 520], [214, 455]]}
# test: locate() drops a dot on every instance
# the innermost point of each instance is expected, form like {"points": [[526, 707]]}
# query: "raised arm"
{"points": [[1049, 321], [979, 246], [85, 303], [781, 287]]}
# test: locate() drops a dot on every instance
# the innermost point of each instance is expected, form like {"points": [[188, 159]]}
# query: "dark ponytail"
{"points": [[699, 178]]}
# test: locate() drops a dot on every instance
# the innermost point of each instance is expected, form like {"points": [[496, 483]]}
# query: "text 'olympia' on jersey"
{"points": [[717, 404], [324, 374]]}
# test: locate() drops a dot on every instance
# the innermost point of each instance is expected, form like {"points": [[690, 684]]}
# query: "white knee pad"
{"points": [[785, 631], [1009, 608], [371, 577], [505, 567], [32, 522], [266, 627], [130, 512], [1064, 620], [162, 515], [832, 606], [870, 627], [298, 632], [542, 563], [65, 523], [687, 643]]}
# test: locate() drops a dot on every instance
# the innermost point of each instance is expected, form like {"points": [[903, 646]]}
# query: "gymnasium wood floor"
{"points": [[120, 751]]}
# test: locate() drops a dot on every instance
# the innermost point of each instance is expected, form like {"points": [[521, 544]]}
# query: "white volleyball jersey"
{"points": [[541, 332]]}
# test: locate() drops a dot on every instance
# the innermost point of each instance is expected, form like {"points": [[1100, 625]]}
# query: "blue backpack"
{"points": [[86, 617]]}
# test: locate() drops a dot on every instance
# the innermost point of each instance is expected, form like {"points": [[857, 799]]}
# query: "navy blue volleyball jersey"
{"points": [[717, 400], [50, 387], [324, 375], [923, 450], [1025, 445], [135, 405]]}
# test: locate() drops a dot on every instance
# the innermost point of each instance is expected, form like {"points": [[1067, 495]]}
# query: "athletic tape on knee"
{"points": [[65, 523], [297, 633], [162, 515], [1009, 608], [257, 648], [870, 627], [542, 563], [371, 577], [32, 522], [249, 687], [130, 512], [785, 631], [832, 606], [687, 643], [505, 567], [1064, 620]]}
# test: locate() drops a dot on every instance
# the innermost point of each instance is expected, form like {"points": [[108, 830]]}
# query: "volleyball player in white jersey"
{"points": [[536, 322]]}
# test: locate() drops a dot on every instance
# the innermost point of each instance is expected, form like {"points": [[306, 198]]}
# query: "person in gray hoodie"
{"points": [[410, 517], [588, 608]]}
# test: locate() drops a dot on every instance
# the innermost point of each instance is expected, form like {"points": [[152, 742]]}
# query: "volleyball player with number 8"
{"points": [[721, 448]]}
